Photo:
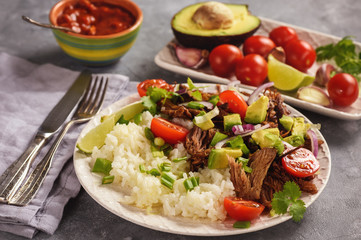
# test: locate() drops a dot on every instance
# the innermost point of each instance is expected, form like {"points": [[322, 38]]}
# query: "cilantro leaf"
{"points": [[344, 54], [287, 200], [149, 104], [297, 209]]}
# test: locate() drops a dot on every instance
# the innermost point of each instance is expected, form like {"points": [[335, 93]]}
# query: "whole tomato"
{"points": [[223, 59], [258, 44], [252, 70], [282, 35], [300, 54], [343, 89]]}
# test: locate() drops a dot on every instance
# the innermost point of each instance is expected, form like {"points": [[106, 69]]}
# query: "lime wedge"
{"points": [[96, 136], [285, 77]]}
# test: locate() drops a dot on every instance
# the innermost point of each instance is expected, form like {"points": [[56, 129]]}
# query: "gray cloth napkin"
{"points": [[28, 92]]}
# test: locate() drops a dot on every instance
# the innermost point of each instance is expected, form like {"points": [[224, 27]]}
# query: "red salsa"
{"points": [[96, 18]]}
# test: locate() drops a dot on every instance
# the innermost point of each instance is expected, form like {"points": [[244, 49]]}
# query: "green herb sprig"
{"points": [[288, 200], [344, 54]]}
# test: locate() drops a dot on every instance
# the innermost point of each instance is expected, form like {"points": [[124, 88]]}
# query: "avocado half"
{"points": [[189, 34]]}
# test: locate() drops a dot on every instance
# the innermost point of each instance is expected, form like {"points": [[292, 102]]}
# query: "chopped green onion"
{"points": [[102, 165], [179, 159], [236, 142], [122, 120], [158, 141], [148, 134], [167, 180], [166, 148], [242, 224], [138, 118], [214, 100], [195, 105], [190, 183], [217, 138], [154, 172], [156, 152], [165, 167], [108, 179], [142, 168]]}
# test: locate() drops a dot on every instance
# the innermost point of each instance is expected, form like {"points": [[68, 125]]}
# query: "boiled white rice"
{"points": [[128, 147]]}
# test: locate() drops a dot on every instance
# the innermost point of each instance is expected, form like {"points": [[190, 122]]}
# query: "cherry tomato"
{"points": [[258, 44], [235, 101], [242, 210], [300, 54], [282, 35], [170, 132], [223, 59], [160, 83], [343, 89], [300, 163], [252, 70]]}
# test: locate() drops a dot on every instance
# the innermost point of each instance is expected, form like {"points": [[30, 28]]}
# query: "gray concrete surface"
{"points": [[336, 214]]}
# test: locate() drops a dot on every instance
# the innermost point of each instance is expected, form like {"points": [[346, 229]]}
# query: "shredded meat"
{"points": [[248, 186], [177, 111], [276, 108], [277, 177], [197, 145]]}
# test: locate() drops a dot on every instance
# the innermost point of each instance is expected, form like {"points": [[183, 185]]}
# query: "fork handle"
{"points": [[15, 174], [24, 195]]}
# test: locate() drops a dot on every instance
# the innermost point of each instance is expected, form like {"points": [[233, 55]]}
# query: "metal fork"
{"points": [[88, 106]]}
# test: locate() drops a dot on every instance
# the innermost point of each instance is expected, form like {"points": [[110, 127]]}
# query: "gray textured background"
{"points": [[336, 214]]}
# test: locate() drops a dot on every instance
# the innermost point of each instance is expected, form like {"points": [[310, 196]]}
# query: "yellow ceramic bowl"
{"points": [[97, 50]]}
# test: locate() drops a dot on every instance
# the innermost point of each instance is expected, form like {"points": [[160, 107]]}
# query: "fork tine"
{"points": [[97, 103], [88, 96]]}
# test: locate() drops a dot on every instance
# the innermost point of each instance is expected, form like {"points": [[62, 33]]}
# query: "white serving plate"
{"points": [[108, 195], [166, 59]]}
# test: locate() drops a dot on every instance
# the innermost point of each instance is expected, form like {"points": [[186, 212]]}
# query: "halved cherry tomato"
{"points": [[300, 163], [235, 101], [170, 132], [282, 35], [343, 89], [242, 210], [252, 70], [300, 54], [159, 83], [258, 44], [223, 59]]}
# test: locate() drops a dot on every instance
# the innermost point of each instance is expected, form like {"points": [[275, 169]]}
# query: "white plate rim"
{"points": [[90, 182]]}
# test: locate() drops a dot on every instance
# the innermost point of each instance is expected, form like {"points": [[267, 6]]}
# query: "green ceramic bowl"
{"points": [[97, 50]]}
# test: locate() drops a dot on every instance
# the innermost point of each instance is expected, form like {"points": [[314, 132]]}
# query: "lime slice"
{"points": [[96, 136], [285, 77]]}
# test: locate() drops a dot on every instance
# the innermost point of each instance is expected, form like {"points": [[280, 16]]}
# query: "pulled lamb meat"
{"points": [[277, 177], [197, 145], [276, 108], [177, 111], [249, 186]]}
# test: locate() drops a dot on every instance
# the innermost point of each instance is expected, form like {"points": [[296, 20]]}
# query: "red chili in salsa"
{"points": [[96, 18]]}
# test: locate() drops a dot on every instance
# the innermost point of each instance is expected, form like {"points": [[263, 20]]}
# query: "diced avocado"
{"points": [[286, 122], [218, 158], [299, 126], [238, 142], [230, 120], [269, 138], [295, 140], [257, 111], [217, 138]]}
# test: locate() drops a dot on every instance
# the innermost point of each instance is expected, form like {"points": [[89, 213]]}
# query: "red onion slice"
{"points": [[255, 95], [257, 127], [241, 129], [314, 142], [221, 143]]}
